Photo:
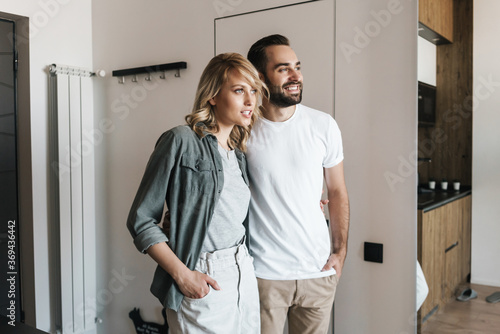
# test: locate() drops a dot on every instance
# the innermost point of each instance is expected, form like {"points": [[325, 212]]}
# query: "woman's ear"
{"points": [[212, 101]]}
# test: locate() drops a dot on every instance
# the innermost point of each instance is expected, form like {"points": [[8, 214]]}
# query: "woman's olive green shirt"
{"points": [[185, 172]]}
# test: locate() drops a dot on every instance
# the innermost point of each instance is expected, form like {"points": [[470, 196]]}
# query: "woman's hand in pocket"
{"points": [[194, 284]]}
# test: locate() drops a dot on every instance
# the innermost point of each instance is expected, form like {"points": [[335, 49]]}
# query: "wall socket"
{"points": [[374, 252]]}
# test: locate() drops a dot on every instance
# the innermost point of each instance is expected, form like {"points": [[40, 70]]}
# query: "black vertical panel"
{"points": [[10, 297]]}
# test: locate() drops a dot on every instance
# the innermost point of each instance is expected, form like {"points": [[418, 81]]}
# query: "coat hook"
{"points": [[150, 71], [122, 80]]}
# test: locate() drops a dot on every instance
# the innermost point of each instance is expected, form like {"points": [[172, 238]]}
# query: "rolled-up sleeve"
{"points": [[147, 208]]}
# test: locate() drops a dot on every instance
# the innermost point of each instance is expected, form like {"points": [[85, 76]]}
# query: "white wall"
{"points": [[376, 109], [427, 55], [60, 33], [486, 145]]}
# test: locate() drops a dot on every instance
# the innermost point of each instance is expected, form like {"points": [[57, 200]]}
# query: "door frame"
{"points": [[24, 168]]}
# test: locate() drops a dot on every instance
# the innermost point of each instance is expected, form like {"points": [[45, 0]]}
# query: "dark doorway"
{"points": [[10, 297]]}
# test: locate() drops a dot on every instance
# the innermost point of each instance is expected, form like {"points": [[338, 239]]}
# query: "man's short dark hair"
{"points": [[257, 53]]}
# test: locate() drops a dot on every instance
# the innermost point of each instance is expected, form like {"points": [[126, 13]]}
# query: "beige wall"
{"points": [[376, 108], [486, 145]]}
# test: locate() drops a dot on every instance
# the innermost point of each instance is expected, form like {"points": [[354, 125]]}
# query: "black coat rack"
{"points": [[150, 69]]}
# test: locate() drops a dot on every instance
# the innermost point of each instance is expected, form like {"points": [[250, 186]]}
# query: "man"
{"points": [[289, 152]]}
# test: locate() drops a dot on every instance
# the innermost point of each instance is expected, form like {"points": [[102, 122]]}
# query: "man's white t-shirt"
{"points": [[289, 237]]}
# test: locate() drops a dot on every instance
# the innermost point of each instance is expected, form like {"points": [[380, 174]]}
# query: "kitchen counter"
{"points": [[428, 201]]}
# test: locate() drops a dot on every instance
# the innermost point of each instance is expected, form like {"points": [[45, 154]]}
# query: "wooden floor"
{"points": [[476, 316]]}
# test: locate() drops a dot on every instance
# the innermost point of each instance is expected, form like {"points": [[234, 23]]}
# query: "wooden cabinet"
{"points": [[444, 252], [465, 237], [431, 256], [452, 248], [430, 251], [438, 16]]}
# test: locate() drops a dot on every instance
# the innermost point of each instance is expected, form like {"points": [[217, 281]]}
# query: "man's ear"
{"points": [[261, 77]]}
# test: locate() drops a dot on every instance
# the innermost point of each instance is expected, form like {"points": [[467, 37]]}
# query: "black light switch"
{"points": [[374, 252]]}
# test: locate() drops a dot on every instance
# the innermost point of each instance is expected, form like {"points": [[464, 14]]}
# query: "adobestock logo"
{"points": [[40, 19], [372, 29], [222, 7], [408, 166], [72, 155]]}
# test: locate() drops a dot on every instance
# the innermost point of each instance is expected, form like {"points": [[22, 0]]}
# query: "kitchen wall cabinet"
{"points": [[444, 252], [449, 142], [438, 16]]}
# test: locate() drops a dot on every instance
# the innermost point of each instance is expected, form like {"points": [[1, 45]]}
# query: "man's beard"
{"points": [[278, 97]]}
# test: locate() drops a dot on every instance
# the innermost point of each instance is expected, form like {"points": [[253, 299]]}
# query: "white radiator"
{"points": [[72, 196]]}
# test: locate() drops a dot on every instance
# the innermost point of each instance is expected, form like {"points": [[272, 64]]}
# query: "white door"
{"points": [[310, 29]]}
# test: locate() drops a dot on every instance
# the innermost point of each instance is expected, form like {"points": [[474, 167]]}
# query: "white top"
{"points": [[289, 237]]}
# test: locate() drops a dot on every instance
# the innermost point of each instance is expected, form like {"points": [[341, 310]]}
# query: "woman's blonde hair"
{"points": [[202, 118]]}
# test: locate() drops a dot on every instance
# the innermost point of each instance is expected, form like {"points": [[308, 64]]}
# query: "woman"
{"points": [[205, 275]]}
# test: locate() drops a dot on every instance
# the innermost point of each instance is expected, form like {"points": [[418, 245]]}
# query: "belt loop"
{"points": [[209, 267], [240, 253]]}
